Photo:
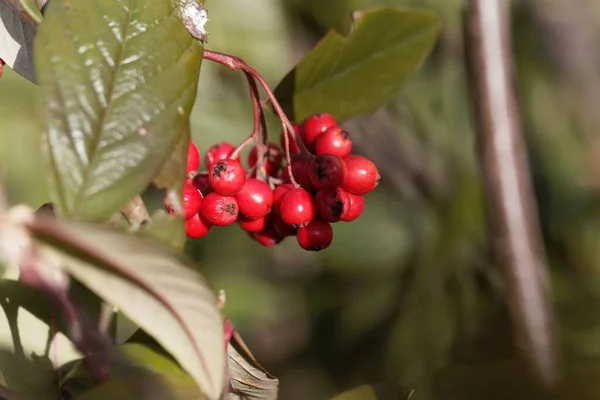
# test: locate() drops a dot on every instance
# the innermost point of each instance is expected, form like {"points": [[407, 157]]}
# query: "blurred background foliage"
{"points": [[407, 294]]}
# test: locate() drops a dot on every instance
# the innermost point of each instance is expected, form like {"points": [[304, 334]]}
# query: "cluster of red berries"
{"points": [[332, 184]]}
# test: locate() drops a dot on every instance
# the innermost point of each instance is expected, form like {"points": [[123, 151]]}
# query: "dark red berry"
{"points": [[218, 152], [357, 205], [279, 225], [362, 176], [273, 159], [227, 177], [315, 236], [201, 183], [196, 227], [297, 207], [255, 199], [294, 148], [278, 193], [327, 171], [334, 140], [193, 160], [192, 200], [315, 125], [253, 225], [219, 210], [300, 166], [267, 237], [332, 204]]}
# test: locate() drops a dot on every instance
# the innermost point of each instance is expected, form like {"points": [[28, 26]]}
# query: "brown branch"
{"points": [[517, 241], [136, 213]]}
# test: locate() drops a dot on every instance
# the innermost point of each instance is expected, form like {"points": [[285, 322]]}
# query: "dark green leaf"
{"points": [[34, 380], [154, 288], [118, 81], [352, 75], [172, 176]]}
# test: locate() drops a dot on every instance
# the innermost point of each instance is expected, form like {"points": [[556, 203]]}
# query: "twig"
{"points": [[501, 151], [136, 213]]}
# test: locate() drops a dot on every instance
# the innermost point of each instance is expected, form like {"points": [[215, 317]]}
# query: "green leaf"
{"points": [[166, 228], [145, 364], [118, 81], [32, 10], [172, 176], [348, 76], [152, 287]]}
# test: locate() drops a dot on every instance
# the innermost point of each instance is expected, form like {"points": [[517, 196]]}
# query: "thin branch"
{"points": [[136, 213], [517, 241]]}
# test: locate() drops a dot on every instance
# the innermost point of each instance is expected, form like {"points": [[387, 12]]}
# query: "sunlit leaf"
{"points": [[249, 380], [153, 287], [32, 10], [118, 81], [146, 364], [352, 75]]}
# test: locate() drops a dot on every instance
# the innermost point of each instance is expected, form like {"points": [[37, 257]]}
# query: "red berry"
{"points": [[192, 200], [315, 125], [278, 193], [334, 140], [333, 204], [253, 225], [294, 148], [280, 227], [201, 183], [193, 160], [218, 152], [219, 210], [227, 177], [315, 236], [300, 166], [267, 237], [327, 171], [357, 205], [273, 159], [196, 227], [297, 207], [255, 199], [362, 176]]}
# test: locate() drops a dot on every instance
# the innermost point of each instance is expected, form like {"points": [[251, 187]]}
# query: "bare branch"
{"points": [[517, 241]]}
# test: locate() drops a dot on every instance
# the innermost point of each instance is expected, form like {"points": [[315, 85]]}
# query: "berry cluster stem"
{"points": [[235, 63]]}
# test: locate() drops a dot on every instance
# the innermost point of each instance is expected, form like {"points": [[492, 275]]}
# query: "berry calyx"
{"points": [[253, 225], [219, 210], [334, 140], [192, 200], [357, 206], [218, 152], [255, 199], [193, 160], [196, 227], [278, 194], [315, 125], [332, 204], [327, 170], [273, 159], [315, 236], [297, 207], [227, 177], [362, 176]]}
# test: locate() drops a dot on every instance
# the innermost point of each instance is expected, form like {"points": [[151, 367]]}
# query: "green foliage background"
{"points": [[407, 293]]}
